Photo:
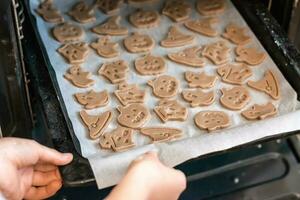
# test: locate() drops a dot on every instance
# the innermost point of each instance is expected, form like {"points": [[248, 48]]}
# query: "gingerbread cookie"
{"points": [[49, 13], [171, 110], [82, 13], [96, 124], [212, 120], [203, 26], [114, 71], [74, 53], [164, 86], [258, 112], [235, 98], [150, 65], [128, 94], [198, 98], [190, 56], [79, 78], [269, 85], [105, 47], [138, 43], [111, 27], [175, 38], [236, 34], [67, 32], [161, 134], [134, 115], [92, 99], [144, 19], [250, 56], [177, 10], [234, 73], [196, 80], [109, 7], [218, 52], [210, 7]]}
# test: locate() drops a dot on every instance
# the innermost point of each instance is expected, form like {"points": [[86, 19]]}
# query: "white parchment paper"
{"points": [[109, 167]]}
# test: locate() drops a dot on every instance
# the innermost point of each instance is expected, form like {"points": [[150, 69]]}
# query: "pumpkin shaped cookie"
{"points": [[150, 65], [164, 86], [144, 19], [212, 120], [67, 32], [138, 43]]}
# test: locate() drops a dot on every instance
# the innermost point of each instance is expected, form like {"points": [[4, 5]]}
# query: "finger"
{"points": [[54, 157], [44, 167], [44, 178], [43, 192]]}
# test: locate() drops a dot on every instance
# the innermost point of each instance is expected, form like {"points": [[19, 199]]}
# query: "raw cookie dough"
{"points": [[190, 56], [161, 134], [82, 13], [105, 47], [109, 7], [114, 71], [218, 52], [175, 38], [171, 110], [198, 97], [250, 56], [210, 7], [92, 99], [128, 94], [49, 13], [236, 34], [144, 18], [258, 112], [234, 73], [235, 98], [74, 53], [196, 80], [138, 43], [111, 27], [212, 120], [164, 86], [150, 65], [203, 26], [79, 78], [177, 10], [68, 32]]}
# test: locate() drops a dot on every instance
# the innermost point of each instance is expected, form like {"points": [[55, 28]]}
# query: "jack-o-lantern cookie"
{"points": [[198, 98], [268, 84], [218, 52], [177, 10], [171, 110], [133, 115], [79, 78], [164, 86], [236, 34], [111, 27], [190, 56], [82, 13], [105, 47], [161, 134], [203, 26], [258, 112], [176, 39], [109, 7], [114, 71], [96, 124], [74, 53], [212, 120], [144, 18], [138, 43], [49, 13], [67, 32], [200, 80], [234, 73], [92, 99], [128, 94], [150, 65], [250, 56], [235, 98], [210, 7]]}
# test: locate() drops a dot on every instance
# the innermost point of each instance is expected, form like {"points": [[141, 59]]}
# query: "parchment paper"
{"points": [[108, 166]]}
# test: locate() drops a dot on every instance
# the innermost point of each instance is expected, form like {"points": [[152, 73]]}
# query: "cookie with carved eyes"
{"points": [[138, 43], [109, 7], [235, 98], [144, 18], [171, 110], [74, 53], [164, 86], [105, 47], [82, 13], [211, 7], [203, 26], [114, 71], [175, 38], [49, 13], [236, 34], [249, 55], [217, 52], [234, 73], [190, 56], [111, 27], [68, 32], [79, 78], [212, 120], [177, 10], [198, 97], [92, 99], [150, 65], [200, 80], [259, 112], [128, 94], [161, 134]]}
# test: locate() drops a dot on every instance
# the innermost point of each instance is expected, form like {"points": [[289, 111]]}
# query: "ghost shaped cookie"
{"points": [[164, 86], [218, 52], [250, 56], [49, 13], [105, 47], [177, 10], [236, 34], [234, 73], [111, 27], [74, 53], [96, 124], [67, 32], [114, 71], [259, 112], [235, 98], [200, 80], [175, 38], [150, 65], [210, 7], [198, 98], [82, 13], [134, 115], [171, 110], [138, 43], [128, 94], [144, 18], [92, 99], [190, 56], [203, 26], [161, 134], [212, 120], [79, 78], [109, 7]]}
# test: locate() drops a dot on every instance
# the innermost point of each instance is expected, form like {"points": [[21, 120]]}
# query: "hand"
{"points": [[147, 178], [29, 170]]}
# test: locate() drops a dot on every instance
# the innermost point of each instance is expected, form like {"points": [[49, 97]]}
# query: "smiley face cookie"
{"points": [[177, 10], [190, 56], [200, 80], [128, 94], [212, 120], [109, 7], [198, 98], [49, 13], [111, 27], [114, 71], [218, 52], [74, 53], [82, 13], [144, 19], [203, 26], [210, 7], [92, 99], [259, 112], [105, 47], [164, 86], [234, 73], [161, 134], [79, 78], [250, 56], [67, 32], [176, 39], [138, 43], [171, 110], [236, 34], [235, 98], [150, 65]]}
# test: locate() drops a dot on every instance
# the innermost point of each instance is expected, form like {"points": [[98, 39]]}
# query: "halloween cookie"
{"points": [[236, 34], [198, 98], [235, 98], [161, 134], [200, 80], [105, 47], [67, 32], [111, 27], [203, 26], [138, 43], [210, 7], [258, 112], [82, 13], [74, 53], [269, 85], [144, 19], [234, 73], [114, 71], [96, 124], [212, 120], [171, 110], [49, 13], [218, 52], [150, 65], [190, 56], [79, 78], [176, 39], [109, 7], [164, 86], [92, 99], [128, 94], [134, 115], [140, 2], [250, 56], [177, 10]]}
